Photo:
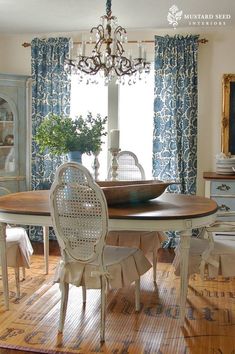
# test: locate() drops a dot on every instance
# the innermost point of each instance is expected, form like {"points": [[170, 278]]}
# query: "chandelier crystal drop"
{"points": [[107, 57]]}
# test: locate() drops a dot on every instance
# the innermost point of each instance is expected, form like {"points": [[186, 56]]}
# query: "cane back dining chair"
{"points": [[18, 247], [129, 169], [80, 220]]}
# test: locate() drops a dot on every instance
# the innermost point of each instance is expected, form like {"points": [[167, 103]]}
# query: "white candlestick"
{"points": [[114, 139], [83, 48], [70, 49], [140, 50], [145, 55]]}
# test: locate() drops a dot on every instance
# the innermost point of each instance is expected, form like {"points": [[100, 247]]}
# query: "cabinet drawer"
{"points": [[225, 217], [225, 204], [223, 188]]}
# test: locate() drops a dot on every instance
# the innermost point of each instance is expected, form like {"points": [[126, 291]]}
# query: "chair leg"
{"points": [[64, 288], [83, 294], [46, 247], [137, 295], [23, 273], [103, 308], [17, 279], [154, 266]]}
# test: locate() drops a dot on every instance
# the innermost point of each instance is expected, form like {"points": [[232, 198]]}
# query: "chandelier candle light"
{"points": [[114, 149], [107, 57]]}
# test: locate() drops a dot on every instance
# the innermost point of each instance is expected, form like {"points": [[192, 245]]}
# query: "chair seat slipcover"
{"points": [[19, 248], [123, 266], [218, 260]]}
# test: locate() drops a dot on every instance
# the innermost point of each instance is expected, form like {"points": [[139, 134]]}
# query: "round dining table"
{"points": [[169, 212]]}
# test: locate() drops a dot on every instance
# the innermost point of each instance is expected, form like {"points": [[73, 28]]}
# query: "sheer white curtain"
{"points": [[136, 120]]}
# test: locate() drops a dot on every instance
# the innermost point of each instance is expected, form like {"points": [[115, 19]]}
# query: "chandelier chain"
{"points": [[108, 7]]}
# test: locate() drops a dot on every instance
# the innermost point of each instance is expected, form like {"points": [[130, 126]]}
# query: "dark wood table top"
{"points": [[167, 206], [214, 175]]}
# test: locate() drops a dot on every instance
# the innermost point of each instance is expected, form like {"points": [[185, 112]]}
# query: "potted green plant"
{"points": [[63, 135]]}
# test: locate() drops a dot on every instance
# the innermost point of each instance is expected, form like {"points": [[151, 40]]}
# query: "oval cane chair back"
{"points": [[129, 168], [80, 215], [4, 191]]}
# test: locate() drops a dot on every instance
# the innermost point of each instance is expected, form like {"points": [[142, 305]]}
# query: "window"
{"points": [[135, 118]]}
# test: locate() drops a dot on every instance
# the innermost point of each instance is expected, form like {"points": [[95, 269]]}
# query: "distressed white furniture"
{"points": [[14, 132], [221, 188], [210, 254], [209, 257], [129, 169], [18, 248], [166, 213], [80, 219]]}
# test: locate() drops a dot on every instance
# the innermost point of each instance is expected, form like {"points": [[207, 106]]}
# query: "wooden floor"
{"points": [[31, 323]]}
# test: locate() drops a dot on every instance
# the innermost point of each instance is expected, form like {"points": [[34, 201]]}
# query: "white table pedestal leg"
{"points": [[46, 247], [4, 264], [185, 237]]}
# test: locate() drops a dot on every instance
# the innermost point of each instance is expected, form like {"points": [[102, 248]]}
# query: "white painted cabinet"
{"points": [[14, 132], [221, 188]]}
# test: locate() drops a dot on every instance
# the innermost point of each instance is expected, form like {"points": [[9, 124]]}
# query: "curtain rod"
{"points": [[202, 40]]}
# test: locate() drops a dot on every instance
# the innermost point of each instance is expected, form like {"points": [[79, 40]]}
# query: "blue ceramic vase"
{"points": [[75, 156]]}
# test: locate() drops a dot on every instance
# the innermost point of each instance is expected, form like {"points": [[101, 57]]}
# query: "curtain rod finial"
{"points": [[25, 44], [203, 40]]}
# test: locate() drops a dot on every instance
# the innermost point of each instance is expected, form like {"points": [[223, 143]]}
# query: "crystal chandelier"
{"points": [[107, 57]]}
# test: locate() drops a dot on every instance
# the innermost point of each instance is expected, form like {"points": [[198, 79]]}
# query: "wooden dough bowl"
{"points": [[123, 192]]}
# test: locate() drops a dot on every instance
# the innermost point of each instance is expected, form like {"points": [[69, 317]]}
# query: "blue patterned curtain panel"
{"points": [[50, 94], [175, 111]]}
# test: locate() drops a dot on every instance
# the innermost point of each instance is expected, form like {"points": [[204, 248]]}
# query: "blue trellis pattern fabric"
{"points": [[175, 111], [175, 114], [50, 94]]}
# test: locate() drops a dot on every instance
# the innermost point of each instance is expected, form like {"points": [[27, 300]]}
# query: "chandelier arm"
{"points": [[69, 62], [90, 71], [120, 72], [89, 68], [98, 45], [125, 67], [120, 30], [100, 30], [120, 49]]}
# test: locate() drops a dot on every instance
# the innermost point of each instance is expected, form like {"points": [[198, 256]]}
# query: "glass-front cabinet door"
{"points": [[7, 133], [14, 133]]}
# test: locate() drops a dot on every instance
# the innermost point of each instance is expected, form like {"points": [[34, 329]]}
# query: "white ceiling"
{"points": [[46, 16]]}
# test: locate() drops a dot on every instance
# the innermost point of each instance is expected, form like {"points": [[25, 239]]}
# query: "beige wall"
{"points": [[215, 58]]}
